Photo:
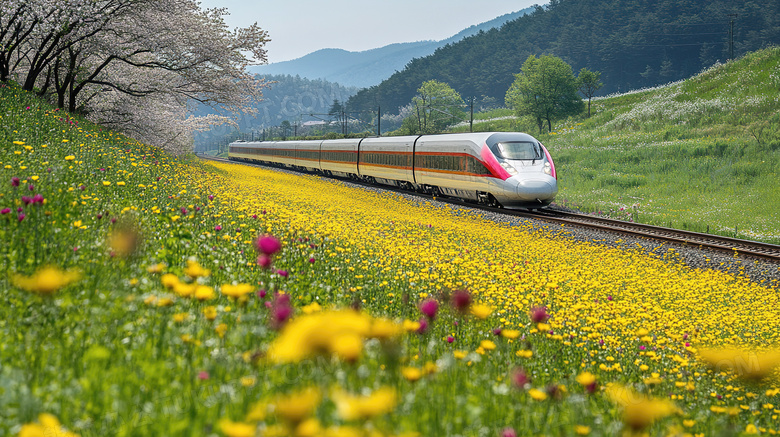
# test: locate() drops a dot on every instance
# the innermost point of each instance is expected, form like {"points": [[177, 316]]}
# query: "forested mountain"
{"points": [[288, 98], [633, 43], [370, 67]]}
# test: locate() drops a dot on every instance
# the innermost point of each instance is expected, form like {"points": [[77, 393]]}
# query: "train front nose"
{"points": [[538, 188]]}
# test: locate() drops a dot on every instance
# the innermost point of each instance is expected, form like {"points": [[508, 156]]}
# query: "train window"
{"points": [[519, 150]]}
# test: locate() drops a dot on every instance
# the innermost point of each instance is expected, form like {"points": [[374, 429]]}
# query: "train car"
{"points": [[340, 157], [388, 160], [509, 169], [501, 168]]}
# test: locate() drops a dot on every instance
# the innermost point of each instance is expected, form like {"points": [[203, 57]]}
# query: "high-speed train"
{"points": [[508, 169]]}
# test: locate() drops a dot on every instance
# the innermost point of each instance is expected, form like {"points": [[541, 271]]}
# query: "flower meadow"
{"points": [[149, 294]]}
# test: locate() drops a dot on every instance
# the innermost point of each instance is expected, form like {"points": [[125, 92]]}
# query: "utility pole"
{"points": [[731, 36], [379, 121], [471, 117]]}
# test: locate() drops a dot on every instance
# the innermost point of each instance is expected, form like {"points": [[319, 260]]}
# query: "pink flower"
{"points": [[203, 375], [450, 339], [5, 211], [268, 245], [37, 199], [519, 378], [217, 228], [508, 432], [14, 181], [539, 314], [283, 273], [264, 261], [183, 211], [211, 197], [21, 216], [429, 307], [461, 300], [423, 326], [281, 310], [261, 293], [311, 260]]}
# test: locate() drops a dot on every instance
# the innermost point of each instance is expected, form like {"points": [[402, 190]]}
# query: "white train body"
{"points": [[511, 169]]}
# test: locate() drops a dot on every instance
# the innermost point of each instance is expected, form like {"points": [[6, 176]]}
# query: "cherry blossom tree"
{"points": [[134, 65]]}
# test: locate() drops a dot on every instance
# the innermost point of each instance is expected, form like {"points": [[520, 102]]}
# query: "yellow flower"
{"points": [[338, 332], [194, 270], [411, 325], [237, 429], [180, 317], [169, 280], [411, 374], [297, 406], [510, 333], [48, 426], [537, 394], [204, 292], [352, 407], [106, 183], [487, 345], [481, 311], [348, 346], [459, 354], [157, 268], [221, 330], [46, 280], [236, 291], [311, 308], [210, 312], [745, 364], [582, 430], [183, 289], [70, 158], [639, 411], [586, 378]]}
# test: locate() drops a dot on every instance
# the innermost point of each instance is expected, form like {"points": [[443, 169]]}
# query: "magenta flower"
{"points": [[461, 300], [5, 211], [281, 311], [311, 260], [203, 375], [211, 197], [37, 199], [26, 200], [21, 216], [450, 339], [539, 314], [268, 245], [264, 261], [423, 327], [217, 228], [508, 432], [14, 181], [429, 307], [283, 273], [183, 211], [519, 378]]}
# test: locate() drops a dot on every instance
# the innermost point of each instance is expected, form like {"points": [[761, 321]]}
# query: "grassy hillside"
{"points": [[701, 154]]}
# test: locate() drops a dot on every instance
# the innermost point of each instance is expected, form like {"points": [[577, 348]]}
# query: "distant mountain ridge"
{"points": [[370, 67]]}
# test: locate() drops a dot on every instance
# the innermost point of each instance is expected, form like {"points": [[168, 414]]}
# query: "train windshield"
{"points": [[520, 150]]}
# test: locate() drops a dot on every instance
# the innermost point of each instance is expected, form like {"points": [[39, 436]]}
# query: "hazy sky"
{"points": [[299, 27]]}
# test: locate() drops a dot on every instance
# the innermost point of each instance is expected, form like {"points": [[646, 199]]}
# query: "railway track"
{"points": [[735, 246]]}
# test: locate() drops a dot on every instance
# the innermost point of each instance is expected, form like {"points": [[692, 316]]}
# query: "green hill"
{"points": [[700, 154]]}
